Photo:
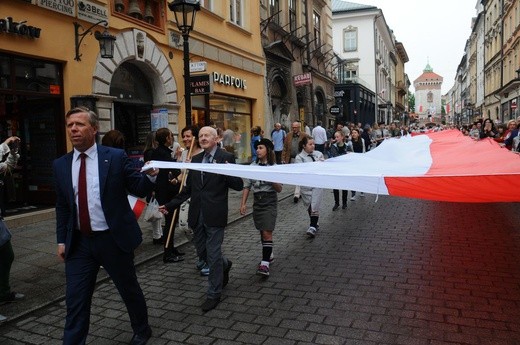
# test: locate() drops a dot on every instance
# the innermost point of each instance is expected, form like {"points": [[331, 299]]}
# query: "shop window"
{"points": [[36, 76], [230, 113], [5, 73], [146, 11]]}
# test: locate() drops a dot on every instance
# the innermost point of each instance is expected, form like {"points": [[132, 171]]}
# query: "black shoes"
{"points": [[171, 257], [209, 304], [225, 281], [177, 253], [336, 206], [344, 206], [296, 199], [12, 297], [158, 241], [141, 339]]}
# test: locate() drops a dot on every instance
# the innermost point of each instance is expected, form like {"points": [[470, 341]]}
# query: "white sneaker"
{"points": [[311, 232], [2, 318], [352, 198], [361, 194]]}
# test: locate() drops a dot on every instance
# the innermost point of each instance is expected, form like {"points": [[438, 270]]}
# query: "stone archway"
{"points": [[134, 45]]}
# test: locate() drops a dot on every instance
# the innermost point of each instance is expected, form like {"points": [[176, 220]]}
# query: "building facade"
{"points": [[297, 43], [138, 90], [370, 64]]}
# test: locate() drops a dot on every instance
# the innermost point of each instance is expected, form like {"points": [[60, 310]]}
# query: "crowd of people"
{"points": [[91, 233]]}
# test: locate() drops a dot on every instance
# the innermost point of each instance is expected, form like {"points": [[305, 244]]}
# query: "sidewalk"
{"points": [[37, 272]]}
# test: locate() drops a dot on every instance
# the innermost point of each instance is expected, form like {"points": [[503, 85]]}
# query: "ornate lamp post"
{"points": [[185, 11]]}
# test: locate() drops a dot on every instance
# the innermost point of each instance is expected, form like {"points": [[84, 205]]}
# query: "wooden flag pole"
{"points": [[172, 223]]}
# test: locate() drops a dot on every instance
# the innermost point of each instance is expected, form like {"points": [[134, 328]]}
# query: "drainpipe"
{"points": [[309, 67], [376, 74]]}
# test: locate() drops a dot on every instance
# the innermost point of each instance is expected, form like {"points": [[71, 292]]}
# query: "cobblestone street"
{"points": [[399, 271]]}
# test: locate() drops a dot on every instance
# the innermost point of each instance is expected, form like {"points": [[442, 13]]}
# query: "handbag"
{"points": [[152, 212], [183, 219]]}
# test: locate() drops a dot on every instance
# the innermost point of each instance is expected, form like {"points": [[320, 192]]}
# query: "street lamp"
{"points": [[106, 40], [185, 11]]}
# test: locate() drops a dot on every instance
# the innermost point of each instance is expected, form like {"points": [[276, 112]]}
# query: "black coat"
{"points": [[164, 190], [209, 196]]}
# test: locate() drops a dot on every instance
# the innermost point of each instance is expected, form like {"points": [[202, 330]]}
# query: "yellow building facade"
{"points": [[139, 89]]}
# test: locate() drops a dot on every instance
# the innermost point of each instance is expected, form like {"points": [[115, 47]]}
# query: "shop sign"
{"points": [[9, 26], [226, 79], [334, 110], [199, 66], [67, 7], [91, 12], [201, 84], [302, 79]]}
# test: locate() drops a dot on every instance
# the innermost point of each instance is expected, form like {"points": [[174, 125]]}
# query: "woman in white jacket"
{"points": [[311, 196]]}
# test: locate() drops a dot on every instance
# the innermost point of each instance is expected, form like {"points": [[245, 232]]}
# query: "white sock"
{"points": [[264, 263]]}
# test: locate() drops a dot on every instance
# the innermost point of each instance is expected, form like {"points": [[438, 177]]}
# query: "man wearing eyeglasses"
{"points": [[290, 150]]}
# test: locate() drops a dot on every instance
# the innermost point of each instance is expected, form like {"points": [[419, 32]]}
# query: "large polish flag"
{"points": [[443, 166]]}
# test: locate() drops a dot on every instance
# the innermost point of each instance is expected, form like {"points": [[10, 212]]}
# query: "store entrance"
{"points": [[30, 184], [133, 120]]}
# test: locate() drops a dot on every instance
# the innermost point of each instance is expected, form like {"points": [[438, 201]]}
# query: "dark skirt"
{"points": [[265, 209]]}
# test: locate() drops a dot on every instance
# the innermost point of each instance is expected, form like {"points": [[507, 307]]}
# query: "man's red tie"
{"points": [[84, 217]]}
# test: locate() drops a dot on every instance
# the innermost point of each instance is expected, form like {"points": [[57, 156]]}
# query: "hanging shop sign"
{"points": [[228, 80], [91, 12], [201, 84], [302, 79], [67, 7], [9, 26]]}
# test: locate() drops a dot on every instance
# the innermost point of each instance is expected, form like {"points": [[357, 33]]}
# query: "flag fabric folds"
{"points": [[443, 166]]}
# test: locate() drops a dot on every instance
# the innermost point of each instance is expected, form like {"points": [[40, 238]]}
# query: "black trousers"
{"points": [[81, 269]]}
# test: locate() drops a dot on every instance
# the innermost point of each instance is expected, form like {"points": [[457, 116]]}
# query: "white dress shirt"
{"points": [[97, 217]]}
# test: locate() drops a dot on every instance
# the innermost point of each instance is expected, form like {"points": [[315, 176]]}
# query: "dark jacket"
{"points": [[117, 175], [164, 190], [209, 196]]}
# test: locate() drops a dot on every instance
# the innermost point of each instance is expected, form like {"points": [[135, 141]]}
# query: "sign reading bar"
{"points": [[201, 84], [303, 79], [67, 7]]}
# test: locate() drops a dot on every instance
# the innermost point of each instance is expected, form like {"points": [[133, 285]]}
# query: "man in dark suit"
{"points": [[208, 212], [95, 225]]}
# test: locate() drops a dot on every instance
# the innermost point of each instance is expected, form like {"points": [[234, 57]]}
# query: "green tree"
{"points": [[411, 102]]}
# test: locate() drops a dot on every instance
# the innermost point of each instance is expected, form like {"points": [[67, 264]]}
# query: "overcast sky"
{"points": [[434, 31]]}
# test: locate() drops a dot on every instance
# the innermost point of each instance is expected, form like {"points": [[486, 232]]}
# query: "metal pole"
{"points": [[187, 88]]}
